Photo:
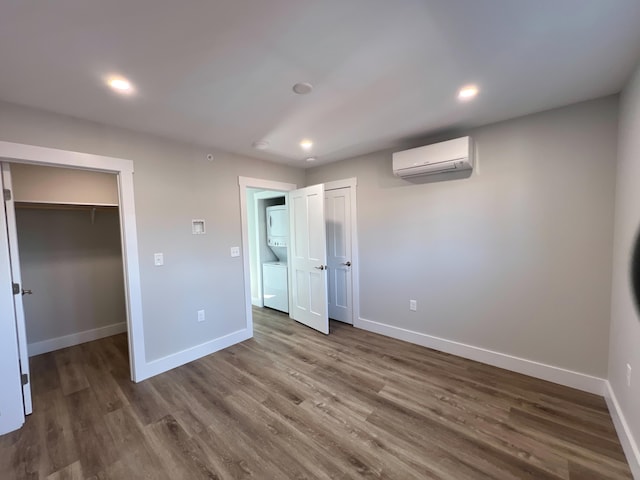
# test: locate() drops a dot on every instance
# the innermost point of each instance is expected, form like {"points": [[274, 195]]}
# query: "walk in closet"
{"points": [[69, 240]]}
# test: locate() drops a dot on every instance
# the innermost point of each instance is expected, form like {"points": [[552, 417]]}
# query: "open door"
{"points": [[308, 258], [18, 290]]}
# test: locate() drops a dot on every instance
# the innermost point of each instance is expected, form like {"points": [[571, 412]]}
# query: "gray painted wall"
{"points": [[174, 183], [74, 268], [517, 257], [625, 318], [34, 183]]}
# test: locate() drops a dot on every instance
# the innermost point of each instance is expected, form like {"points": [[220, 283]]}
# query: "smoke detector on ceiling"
{"points": [[302, 88]]}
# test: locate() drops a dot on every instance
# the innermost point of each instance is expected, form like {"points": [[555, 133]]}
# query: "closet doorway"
{"points": [[66, 255], [14, 371]]}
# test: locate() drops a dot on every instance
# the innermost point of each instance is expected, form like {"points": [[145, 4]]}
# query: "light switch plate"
{"points": [[235, 251], [158, 259], [201, 315], [413, 305]]}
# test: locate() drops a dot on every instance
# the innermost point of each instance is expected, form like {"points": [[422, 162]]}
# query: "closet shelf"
{"points": [[66, 206]]}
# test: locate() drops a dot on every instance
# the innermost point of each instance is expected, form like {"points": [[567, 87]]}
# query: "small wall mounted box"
{"points": [[197, 226]]}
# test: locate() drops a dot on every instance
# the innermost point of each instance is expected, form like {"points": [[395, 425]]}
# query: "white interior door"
{"points": [[18, 292], [338, 218], [11, 403], [308, 257]]}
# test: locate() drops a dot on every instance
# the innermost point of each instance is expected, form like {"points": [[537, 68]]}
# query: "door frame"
{"points": [[51, 157], [248, 182], [245, 183], [352, 184]]}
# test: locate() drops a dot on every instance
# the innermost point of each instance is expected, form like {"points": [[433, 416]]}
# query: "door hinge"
{"points": [[7, 194], [16, 288], [25, 378]]}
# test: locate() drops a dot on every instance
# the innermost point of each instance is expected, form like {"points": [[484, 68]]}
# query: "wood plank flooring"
{"points": [[293, 403]]}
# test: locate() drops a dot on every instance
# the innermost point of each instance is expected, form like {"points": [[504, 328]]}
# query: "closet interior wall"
{"points": [[69, 240]]}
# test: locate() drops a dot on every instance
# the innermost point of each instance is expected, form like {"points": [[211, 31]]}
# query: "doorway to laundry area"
{"points": [[307, 238]]}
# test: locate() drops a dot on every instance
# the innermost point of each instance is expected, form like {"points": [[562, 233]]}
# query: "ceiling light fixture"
{"points": [[120, 84], [468, 92], [310, 159], [302, 88], [306, 144], [260, 144]]}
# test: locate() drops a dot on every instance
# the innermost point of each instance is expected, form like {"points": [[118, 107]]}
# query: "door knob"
{"points": [[26, 292], [321, 267], [348, 264]]}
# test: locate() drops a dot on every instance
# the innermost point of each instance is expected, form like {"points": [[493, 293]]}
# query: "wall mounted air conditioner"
{"points": [[451, 156]]}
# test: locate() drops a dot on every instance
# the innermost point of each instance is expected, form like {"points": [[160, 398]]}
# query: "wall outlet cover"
{"points": [[201, 315], [158, 259], [235, 251], [413, 305]]}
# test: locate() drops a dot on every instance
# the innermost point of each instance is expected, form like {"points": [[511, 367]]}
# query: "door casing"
{"points": [[35, 155], [245, 183], [248, 182]]}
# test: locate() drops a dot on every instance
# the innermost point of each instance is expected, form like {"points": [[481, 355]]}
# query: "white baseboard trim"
{"points": [[629, 445], [532, 368], [164, 364], [65, 341]]}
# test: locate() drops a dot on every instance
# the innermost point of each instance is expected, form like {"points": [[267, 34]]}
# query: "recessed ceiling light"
{"points": [[302, 88], [260, 144], [120, 84], [306, 144], [468, 92], [310, 159]]}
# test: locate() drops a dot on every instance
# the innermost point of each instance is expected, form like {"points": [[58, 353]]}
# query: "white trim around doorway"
{"points": [[245, 183], [35, 155]]}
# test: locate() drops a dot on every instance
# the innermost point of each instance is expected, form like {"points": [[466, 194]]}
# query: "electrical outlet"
{"points": [[235, 251], [158, 259], [413, 305], [628, 375], [201, 315]]}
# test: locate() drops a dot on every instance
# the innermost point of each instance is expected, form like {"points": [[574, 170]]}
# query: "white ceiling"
{"points": [[219, 73]]}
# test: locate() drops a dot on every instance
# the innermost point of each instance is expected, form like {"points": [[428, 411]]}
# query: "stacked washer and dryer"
{"points": [[275, 290]]}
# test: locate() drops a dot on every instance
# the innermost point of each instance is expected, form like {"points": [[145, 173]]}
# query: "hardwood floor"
{"points": [[293, 403]]}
